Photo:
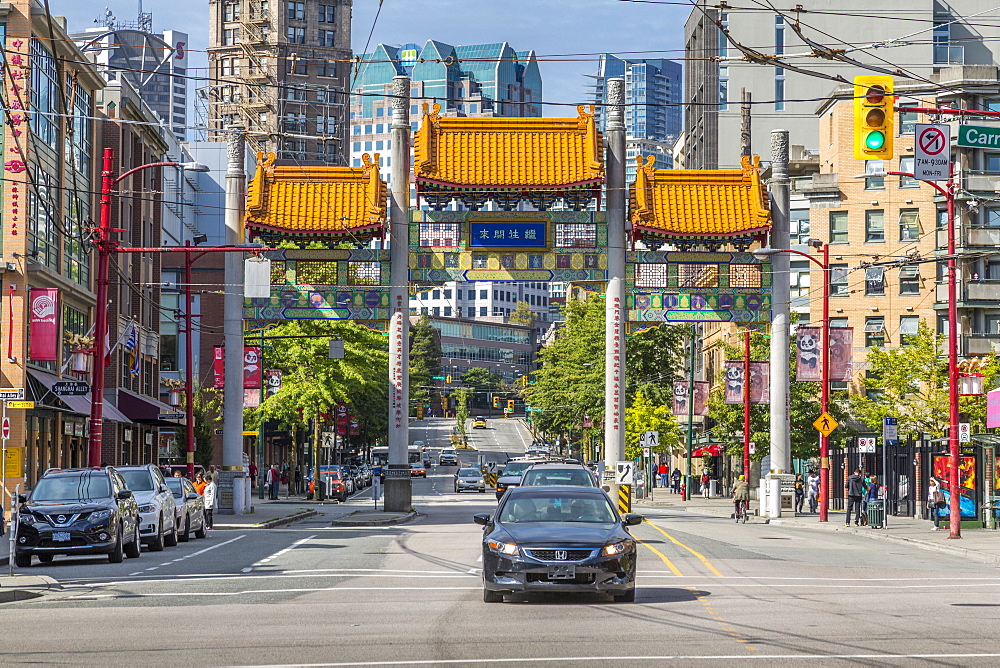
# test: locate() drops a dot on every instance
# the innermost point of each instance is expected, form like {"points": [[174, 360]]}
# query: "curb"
{"points": [[345, 522], [28, 587], [270, 524]]}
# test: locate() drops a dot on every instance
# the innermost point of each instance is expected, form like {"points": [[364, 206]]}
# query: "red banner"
{"points": [[44, 324], [342, 418], [760, 392], [218, 367], [251, 368], [273, 381], [700, 397], [842, 354], [809, 353], [354, 426]]}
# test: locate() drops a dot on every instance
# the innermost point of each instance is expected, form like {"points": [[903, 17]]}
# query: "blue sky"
{"points": [[552, 28]]}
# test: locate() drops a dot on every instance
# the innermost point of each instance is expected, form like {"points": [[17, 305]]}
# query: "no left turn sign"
{"points": [[932, 154]]}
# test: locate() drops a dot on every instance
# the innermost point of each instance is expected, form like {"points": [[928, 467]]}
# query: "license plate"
{"points": [[60, 536], [562, 572]]}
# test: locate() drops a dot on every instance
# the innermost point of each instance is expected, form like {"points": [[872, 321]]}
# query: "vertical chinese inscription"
{"points": [[17, 104]]}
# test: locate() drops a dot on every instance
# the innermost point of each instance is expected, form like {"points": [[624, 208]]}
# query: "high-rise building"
{"points": [[715, 70], [652, 97], [280, 70], [154, 63]]}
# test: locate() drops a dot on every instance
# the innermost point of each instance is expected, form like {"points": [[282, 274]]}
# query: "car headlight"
{"points": [[100, 514], [614, 549], [26, 519], [147, 509], [509, 549]]}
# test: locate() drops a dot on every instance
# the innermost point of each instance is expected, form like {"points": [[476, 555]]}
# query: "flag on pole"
{"points": [[132, 347]]}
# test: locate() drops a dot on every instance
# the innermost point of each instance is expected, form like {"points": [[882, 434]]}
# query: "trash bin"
{"points": [[713, 488], [876, 514]]}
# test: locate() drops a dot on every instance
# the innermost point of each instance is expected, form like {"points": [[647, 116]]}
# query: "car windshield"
{"points": [[577, 477], [82, 487], [557, 508], [469, 472], [417, 465], [139, 480], [176, 486], [447, 452], [516, 468]]}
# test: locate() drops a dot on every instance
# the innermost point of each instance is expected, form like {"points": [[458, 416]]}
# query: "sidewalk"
{"points": [[982, 545]]}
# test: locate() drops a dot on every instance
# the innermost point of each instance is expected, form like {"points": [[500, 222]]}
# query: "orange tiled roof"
{"points": [[695, 203], [508, 152], [321, 200]]}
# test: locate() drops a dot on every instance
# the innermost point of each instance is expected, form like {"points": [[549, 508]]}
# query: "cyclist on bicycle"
{"points": [[741, 495]]}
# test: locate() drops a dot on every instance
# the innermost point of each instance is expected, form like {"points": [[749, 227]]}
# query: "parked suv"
{"points": [[157, 508], [77, 511]]}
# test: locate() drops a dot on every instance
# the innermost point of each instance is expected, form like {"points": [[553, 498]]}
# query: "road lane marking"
{"points": [[662, 556], [283, 551], [664, 657], [303, 590], [700, 556]]}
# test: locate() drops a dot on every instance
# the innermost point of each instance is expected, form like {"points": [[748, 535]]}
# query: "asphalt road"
{"points": [[312, 593]]}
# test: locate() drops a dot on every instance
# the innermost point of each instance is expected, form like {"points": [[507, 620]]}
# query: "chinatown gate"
{"points": [[558, 212]]}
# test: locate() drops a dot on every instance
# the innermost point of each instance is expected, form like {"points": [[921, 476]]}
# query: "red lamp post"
{"points": [[824, 440]]}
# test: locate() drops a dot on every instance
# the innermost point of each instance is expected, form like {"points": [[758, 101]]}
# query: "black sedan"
{"points": [[557, 539]]}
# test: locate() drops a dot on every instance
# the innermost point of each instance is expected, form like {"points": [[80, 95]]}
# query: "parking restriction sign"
{"points": [[932, 153]]}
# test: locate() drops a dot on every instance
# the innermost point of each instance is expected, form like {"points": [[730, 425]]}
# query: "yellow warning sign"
{"points": [[825, 424], [15, 461]]}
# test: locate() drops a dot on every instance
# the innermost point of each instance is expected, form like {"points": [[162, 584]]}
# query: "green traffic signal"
{"points": [[875, 140]]}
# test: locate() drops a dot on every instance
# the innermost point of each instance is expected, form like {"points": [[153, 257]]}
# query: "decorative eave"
{"points": [[318, 201], [698, 206], [508, 154]]}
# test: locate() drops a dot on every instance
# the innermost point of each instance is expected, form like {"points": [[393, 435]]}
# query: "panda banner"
{"points": [[808, 347], [681, 397], [842, 354], [760, 381]]}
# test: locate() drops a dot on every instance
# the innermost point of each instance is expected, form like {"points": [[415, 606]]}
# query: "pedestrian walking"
{"points": [[855, 492], [199, 484], [800, 492], [273, 480], [813, 484], [664, 472], [705, 488], [675, 478], [209, 495], [935, 501], [871, 494], [298, 480]]}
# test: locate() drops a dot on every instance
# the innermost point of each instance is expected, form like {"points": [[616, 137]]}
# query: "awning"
{"points": [[78, 404], [146, 409], [713, 450]]}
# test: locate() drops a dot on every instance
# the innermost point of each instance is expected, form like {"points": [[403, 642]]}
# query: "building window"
{"points": [[874, 182], [909, 326], [326, 13], [838, 280], [875, 226], [838, 227], [909, 279], [231, 11], [230, 36], [779, 88], [907, 122], [875, 281], [799, 225], [906, 165], [723, 42], [909, 225], [296, 11], [326, 37], [447, 311], [723, 88], [779, 35], [447, 294], [483, 294], [483, 311], [296, 35], [875, 332]]}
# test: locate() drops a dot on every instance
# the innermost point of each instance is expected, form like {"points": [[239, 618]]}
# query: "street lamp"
{"points": [[824, 440], [105, 247]]}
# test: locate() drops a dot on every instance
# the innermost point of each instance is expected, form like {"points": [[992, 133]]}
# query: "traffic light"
{"points": [[510, 405], [447, 379], [873, 117], [496, 402], [444, 403]]}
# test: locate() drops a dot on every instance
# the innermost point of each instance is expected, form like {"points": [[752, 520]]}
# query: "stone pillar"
{"points": [[781, 448], [614, 337]]}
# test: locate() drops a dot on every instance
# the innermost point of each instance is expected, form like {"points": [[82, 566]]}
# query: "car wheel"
{"points": [[492, 596], [134, 549], [117, 553], [22, 560], [156, 544], [46, 558], [170, 540], [200, 532], [186, 536], [627, 597]]}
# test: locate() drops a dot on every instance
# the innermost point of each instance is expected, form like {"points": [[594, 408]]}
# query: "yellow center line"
{"points": [[700, 556], [661, 556]]}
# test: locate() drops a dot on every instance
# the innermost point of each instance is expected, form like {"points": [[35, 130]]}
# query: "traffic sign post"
{"points": [[964, 432], [932, 152], [866, 446], [825, 424]]}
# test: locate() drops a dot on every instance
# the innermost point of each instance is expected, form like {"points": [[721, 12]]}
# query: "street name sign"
{"points": [[978, 136], [825, 424], [623, 473], [170, 416], [932, 152], [70, 388], [11, 393]]}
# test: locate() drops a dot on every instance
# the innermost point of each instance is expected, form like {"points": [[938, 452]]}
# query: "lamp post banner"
{"points": [[273, 381], [760, 388], [218, 367], [251, 368], [44, 324], [700, 397], [993, 409], [842, 354], [808, 353]]}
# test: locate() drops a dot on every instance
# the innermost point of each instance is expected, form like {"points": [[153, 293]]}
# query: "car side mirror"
{"points": [[481, 518], [124, 494], [192, 496], [22, 498], [632, 520]]}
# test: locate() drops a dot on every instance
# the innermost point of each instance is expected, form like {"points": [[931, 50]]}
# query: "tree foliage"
{"points": [[522, 315], [652, 361], [646, 415], [206, 409], [425, 360]]}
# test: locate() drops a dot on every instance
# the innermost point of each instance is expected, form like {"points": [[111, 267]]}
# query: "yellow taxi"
{"points": [[479, 423]]}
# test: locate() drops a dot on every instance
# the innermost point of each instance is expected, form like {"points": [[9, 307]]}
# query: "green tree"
{"points": [[206, 408], [522, 315], [482, 382], [652, 358], [425, 360], [645, 415], [461, 395]]}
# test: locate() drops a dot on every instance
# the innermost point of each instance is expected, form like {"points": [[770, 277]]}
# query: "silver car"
{"points": [[470, 478], [157, 508]]}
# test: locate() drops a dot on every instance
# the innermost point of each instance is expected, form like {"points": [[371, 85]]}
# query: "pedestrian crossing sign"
{"points": [[825, 424]]}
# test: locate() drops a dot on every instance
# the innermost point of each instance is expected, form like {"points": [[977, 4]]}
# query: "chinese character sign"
{"points": [[506, 234]]}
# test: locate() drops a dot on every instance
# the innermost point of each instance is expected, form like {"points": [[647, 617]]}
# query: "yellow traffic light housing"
{"points": [[510, 405], [496, 402], [447, 379], [873, 117]]}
